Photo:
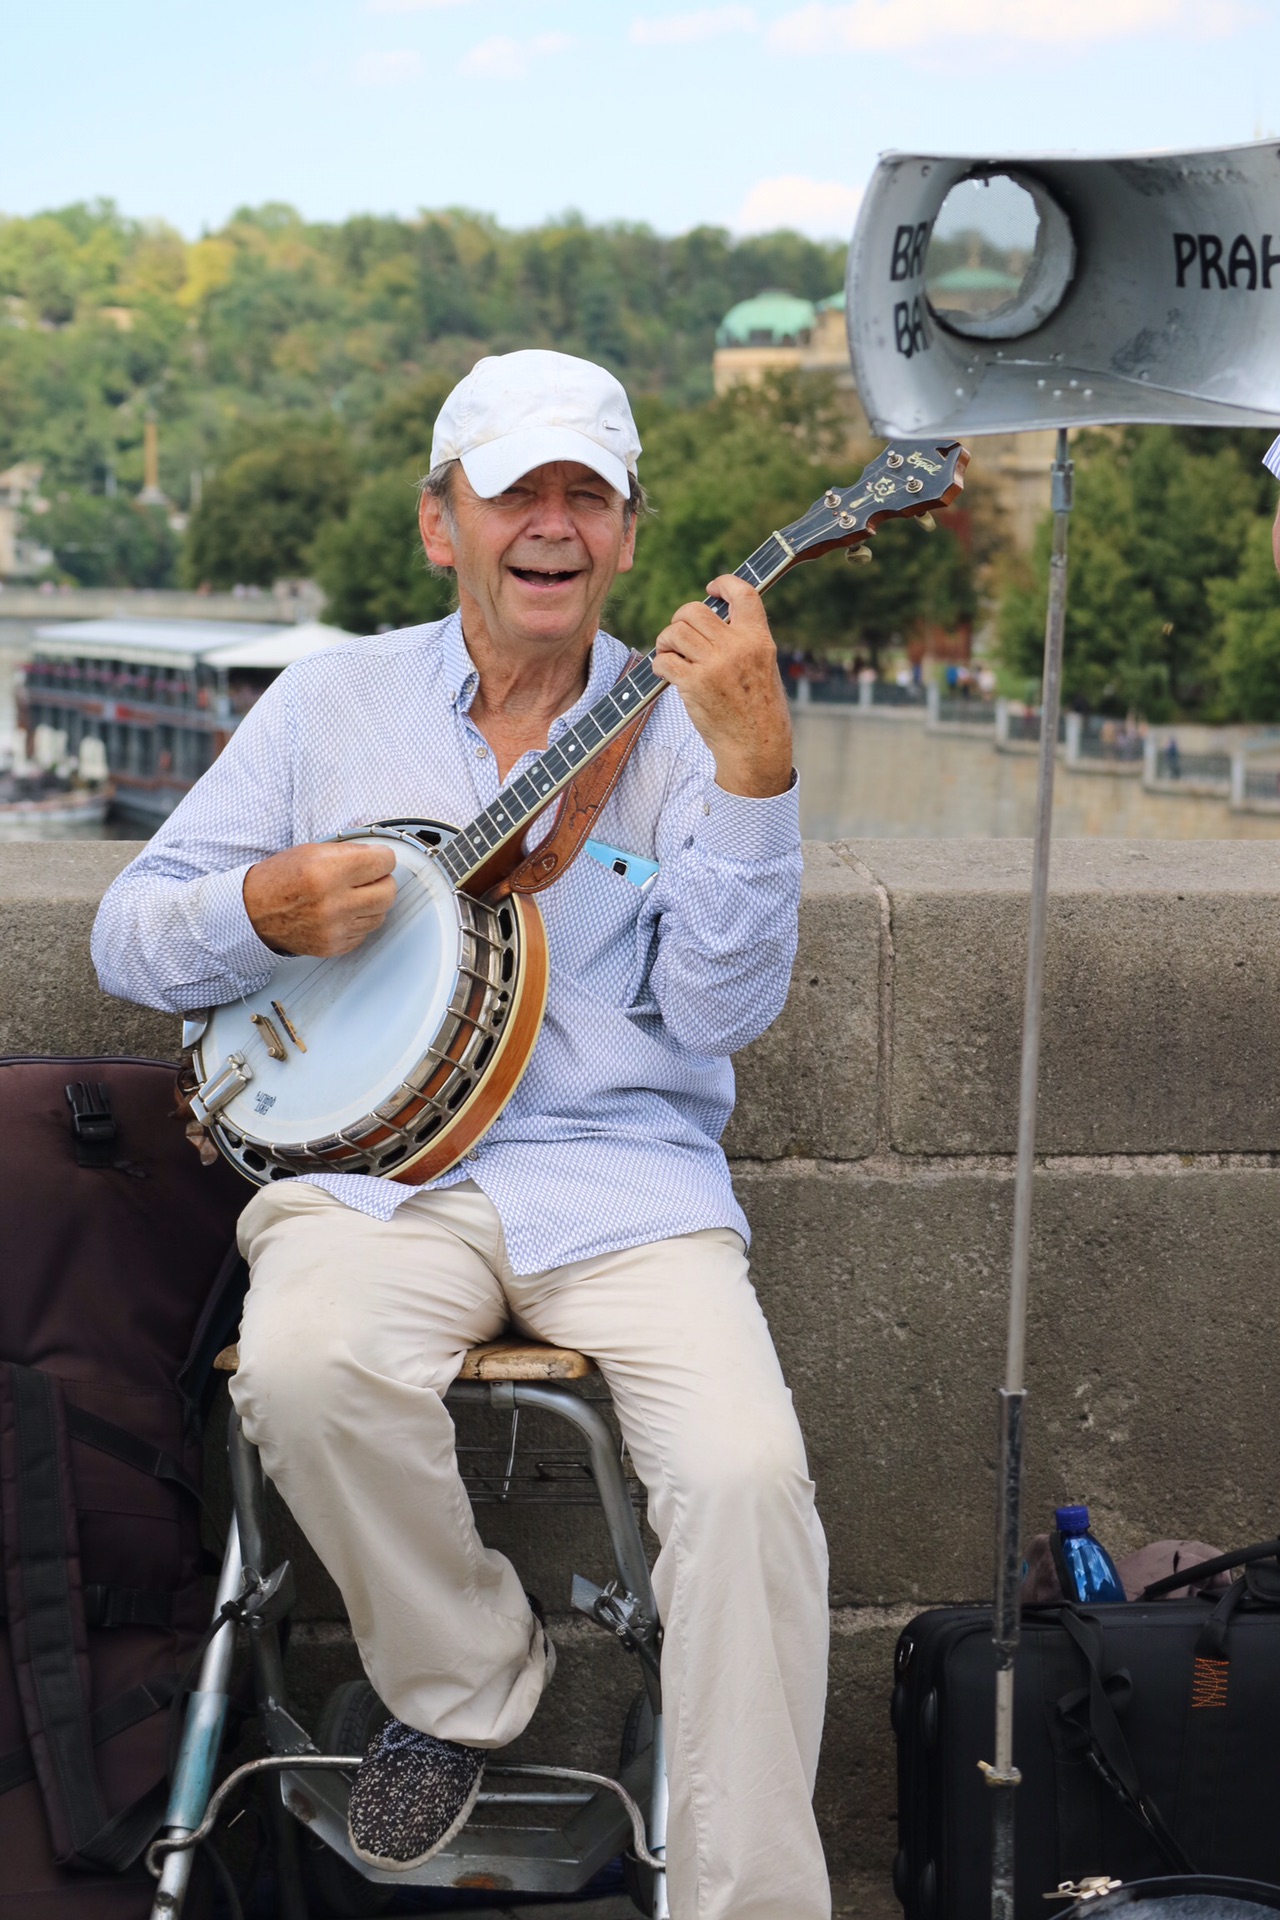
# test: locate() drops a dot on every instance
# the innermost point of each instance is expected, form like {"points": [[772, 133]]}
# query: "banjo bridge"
{"points": [[270, 1035]]}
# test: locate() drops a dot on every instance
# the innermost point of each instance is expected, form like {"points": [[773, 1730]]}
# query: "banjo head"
{"points": [[354, 1064]]}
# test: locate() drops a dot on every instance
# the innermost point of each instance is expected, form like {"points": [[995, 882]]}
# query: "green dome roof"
{"points": [[772, 319], [975, 280]]}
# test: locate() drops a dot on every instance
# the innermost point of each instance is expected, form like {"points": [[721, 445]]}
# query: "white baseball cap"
{"points": [[518, 411]]}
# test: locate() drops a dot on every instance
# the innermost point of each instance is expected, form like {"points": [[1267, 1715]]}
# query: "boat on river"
{"points": [[162, 697], [28, 808]]}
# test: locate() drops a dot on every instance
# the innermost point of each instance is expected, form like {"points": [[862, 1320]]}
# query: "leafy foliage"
{"points": [[262, 511], [100, 541], [1162, 516], [1247, 607], [371, 564], [103, 318]]}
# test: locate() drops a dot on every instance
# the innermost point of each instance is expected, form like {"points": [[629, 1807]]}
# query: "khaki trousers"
{"points": [[353, 1331]]}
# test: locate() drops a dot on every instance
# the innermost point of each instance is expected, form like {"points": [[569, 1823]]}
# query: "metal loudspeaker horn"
{"points": [[1151, 292]]}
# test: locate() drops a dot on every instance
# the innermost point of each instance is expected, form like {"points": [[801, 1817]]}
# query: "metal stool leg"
{"points": [[628, 1554], [249, 1493], [657, 1836], [201, 1743]]}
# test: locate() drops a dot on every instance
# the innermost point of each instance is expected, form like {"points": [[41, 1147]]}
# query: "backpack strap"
{"points": [[120, 1607], [1108, 1747], [106, 1437], [48, 1633], [117, 1716]]}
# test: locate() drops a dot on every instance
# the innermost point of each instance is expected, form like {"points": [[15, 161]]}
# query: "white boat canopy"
{"points": [[187, 643], [280, 647]]}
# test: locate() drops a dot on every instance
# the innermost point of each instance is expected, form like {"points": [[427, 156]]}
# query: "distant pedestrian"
{"points": [[1172, 759]]}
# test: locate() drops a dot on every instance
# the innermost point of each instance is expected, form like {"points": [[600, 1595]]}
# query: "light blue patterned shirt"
{"points": [[612, 1137], [1271, 458]]}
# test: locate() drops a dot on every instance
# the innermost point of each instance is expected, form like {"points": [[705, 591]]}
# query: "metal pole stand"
{"points": [[1003, 1776]]}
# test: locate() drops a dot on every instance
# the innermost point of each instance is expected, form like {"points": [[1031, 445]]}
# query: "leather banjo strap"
{"points": [[580, 806]]}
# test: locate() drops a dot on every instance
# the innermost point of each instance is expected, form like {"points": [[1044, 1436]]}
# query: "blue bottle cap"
{"points": [[1072, 1519]]}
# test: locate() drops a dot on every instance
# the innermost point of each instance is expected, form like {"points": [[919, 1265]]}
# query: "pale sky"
{"points": [[747, 116]]}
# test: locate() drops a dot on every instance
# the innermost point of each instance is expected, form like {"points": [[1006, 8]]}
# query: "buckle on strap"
{"points": [[93, 1125]]}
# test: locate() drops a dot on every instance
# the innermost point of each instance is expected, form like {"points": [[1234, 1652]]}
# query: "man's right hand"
{"points": [[321, 899]]}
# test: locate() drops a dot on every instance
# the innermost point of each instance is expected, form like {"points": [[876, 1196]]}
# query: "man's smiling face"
{"points": [[534, 564]]}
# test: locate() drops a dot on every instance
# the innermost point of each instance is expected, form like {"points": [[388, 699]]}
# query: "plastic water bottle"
{"points": [[1087, 1561]]}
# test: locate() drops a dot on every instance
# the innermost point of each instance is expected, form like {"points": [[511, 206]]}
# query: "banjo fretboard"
{"points": [[525, 798]]}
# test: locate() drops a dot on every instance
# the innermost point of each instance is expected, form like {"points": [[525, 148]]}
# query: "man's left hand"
{"points": [[726, 673]]}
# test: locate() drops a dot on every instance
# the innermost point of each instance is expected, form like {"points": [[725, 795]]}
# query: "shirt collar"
{"points": [[462, 677]]}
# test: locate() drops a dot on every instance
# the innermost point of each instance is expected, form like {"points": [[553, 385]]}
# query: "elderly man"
{"points": [[597, 1212]]}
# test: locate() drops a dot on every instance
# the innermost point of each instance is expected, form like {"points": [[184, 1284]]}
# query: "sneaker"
{"points": [[412, 1793]]}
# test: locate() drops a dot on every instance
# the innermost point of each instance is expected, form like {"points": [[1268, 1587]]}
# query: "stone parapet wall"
{"points": [[873, 1152]]}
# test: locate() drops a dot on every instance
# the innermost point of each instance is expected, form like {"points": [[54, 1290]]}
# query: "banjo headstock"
{"points": [[906, 481]]}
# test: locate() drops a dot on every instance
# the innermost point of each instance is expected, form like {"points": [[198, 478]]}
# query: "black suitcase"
{"points": [[1145, 1735]]}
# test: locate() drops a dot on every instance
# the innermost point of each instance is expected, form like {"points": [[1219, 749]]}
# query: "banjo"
{"points": [[394, 1059]]}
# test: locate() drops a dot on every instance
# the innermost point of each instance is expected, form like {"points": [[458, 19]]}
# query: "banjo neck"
{"points": [[903, 482], [504, 822]]}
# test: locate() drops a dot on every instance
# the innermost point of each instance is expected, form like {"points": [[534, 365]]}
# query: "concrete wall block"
{"points": [[810, 1085], [1151, 1389], [1162, 975], [49, 997]]}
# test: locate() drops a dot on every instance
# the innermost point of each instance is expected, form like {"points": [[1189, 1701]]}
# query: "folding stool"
{"points": [[599, 1817]]}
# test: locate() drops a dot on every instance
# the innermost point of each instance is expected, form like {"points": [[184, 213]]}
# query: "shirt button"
{"points": [[706, 806], [482, 753]]}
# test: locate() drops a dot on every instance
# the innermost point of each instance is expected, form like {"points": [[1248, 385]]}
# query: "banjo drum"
{"points": [[394, 1059], [391, 1059]]}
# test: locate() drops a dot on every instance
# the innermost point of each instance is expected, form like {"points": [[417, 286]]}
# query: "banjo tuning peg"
{"points": [[859, 556]]}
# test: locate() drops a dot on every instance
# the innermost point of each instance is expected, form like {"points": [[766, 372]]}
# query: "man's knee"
{"points": [[752, 1463], [296, 1368]]}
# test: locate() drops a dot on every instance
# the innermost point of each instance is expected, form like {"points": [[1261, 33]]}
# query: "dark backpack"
{"points": [[119, 1280]]}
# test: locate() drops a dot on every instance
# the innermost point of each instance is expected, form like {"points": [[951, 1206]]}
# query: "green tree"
{"points": [[1248, 609], [371, 564], [104, 542], [262, 511], [1160, 514], [104, 319]]}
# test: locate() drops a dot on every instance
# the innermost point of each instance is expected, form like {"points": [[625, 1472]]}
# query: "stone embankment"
{"points": [[873, 1152]]}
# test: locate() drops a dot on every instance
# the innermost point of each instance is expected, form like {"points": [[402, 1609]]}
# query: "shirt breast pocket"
{"points": [[592, 919]]}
